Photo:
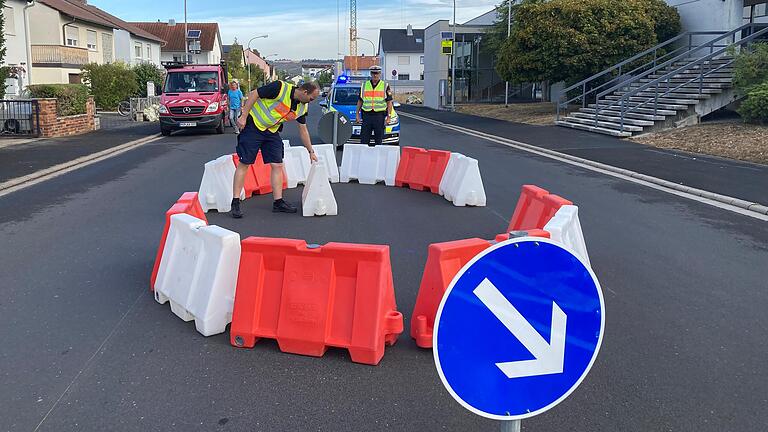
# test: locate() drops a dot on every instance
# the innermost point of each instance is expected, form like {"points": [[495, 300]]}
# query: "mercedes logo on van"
{"points": [[186, 110]]}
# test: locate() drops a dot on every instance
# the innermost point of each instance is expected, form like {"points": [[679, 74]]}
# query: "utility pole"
{"points": [[453, 61], [509, 31], [186, 35]]}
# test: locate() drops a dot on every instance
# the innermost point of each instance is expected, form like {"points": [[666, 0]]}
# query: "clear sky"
{"points": [[299, 28]]}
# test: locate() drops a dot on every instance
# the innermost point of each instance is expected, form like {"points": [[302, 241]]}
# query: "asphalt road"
{"points": [[84, 346]]}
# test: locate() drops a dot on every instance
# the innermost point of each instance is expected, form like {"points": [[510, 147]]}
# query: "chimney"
{"points": [[171, 22], [409, 30]]}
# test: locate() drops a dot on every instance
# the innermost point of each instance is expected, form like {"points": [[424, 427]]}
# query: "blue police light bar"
{"points": [[342, 79]]}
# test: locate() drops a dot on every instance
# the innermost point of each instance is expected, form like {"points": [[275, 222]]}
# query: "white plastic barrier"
{"points": [[296, 161], [198, 273], [565, 228], [369, 165], [286, 144], [326, 153], [317, 199], [462, 183], [216, 186]]}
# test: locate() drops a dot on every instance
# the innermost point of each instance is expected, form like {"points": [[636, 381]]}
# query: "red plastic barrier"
{"points": [[257, 178], [188, 203], [535, 208], [421, 169], [309, 299], [444, 260]]}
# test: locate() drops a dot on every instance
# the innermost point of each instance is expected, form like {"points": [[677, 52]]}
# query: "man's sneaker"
{"points": [[235, 212], [282, 206]]}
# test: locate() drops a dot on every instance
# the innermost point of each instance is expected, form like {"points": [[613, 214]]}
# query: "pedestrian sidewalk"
{"points": [[29, 157], [743, 180]]}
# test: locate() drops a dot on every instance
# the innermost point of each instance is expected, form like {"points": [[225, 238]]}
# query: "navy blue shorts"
{"points": [[251, 140]]}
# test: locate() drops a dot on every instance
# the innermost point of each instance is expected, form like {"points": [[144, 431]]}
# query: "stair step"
{"points": [[612, 119], [664, 109], [686, 89], [676, 82], [613, 132], [603, 124], [664, 100], [660, 114], [712, 77], [649, 93]]}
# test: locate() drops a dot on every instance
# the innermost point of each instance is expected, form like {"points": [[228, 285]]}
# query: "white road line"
{"points": [[735, 205], [19, 183]]}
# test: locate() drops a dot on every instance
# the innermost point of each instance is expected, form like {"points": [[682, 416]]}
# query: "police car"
{"points": [[343, 98]]}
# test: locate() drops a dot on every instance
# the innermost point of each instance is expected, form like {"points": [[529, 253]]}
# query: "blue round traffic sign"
{"points": [[518, 328]]}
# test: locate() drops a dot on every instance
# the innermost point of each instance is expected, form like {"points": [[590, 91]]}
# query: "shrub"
{"points": [[755, 106], [751, 68], [110, 83], [146, 72], [569, 40], [71, 98]]}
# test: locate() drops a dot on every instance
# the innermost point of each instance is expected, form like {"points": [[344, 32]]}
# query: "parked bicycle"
{"points": [[124, 108]]}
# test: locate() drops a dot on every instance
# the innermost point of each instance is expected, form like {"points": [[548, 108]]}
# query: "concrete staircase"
{"points": [[679, 81], [644, 113]]}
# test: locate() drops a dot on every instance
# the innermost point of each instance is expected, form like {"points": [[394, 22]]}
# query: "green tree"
{"points": [[751, 68], [110, 83], [569, 40], [235, 57], [325, 78], [146, 72]]}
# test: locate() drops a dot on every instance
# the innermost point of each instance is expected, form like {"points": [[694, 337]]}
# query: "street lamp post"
{"points": [[509, 30], [247, 65], [373, 46], [453, 60]]}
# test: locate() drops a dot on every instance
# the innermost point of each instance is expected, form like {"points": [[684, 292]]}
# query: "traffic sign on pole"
{"points": [[518, 329]]}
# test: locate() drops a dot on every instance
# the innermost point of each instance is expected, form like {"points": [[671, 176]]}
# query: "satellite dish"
{"points": [[326, 128]]}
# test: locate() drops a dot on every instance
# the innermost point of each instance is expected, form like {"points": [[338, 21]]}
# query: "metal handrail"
{"points": [[618, 67], [670, 74]]}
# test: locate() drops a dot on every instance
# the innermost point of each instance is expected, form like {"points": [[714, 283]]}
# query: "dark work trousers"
{"points": [[372, 122]]}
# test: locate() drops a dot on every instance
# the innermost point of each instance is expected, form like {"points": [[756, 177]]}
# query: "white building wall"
{"points": [[435, 63], [15, 45], [122, 41], [704, 15], [391, 61]]}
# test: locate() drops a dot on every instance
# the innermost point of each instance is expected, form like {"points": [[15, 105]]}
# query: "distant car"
{"points": [[343, 98], [194, 96]]}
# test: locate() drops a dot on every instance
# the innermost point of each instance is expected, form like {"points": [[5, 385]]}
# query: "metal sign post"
{"points": [[510, 425]]}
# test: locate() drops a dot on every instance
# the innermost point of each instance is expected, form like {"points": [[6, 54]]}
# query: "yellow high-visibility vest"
{"points": [[269, 114], [374, 98]]}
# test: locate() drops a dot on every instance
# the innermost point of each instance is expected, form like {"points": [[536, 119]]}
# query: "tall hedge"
{"points": [[110, 83], [569, 40], [147, 72], [71, 98]]}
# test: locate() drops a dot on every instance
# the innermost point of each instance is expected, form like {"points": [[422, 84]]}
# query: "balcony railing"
{"points": [[58, 55]]}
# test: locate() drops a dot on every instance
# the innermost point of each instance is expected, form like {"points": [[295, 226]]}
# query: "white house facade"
{"points": [[16, 45]]}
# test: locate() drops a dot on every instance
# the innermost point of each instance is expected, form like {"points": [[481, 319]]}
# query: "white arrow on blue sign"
{"points": [[518, 329]]}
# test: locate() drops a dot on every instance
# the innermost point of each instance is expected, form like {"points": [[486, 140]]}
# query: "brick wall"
{"points": [[51, 125]]}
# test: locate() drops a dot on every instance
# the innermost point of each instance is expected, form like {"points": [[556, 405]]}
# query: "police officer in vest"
{"points": [[375, 102], [264, 113]]}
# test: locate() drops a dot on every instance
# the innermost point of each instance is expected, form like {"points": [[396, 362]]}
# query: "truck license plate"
{"points": [[187, 124], [355, 130]]}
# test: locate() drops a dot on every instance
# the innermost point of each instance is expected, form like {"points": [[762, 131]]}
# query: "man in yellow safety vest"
{"points": [[375, 103], [264, 113]]}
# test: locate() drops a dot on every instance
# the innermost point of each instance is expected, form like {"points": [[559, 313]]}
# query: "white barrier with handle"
{"points": [[198, 273], [462, 183], [215, 191], [326, 153], [369, 165], [317, 199], [565, 228], [296, 162]]}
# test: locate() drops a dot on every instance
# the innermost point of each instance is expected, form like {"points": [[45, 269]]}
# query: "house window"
{"points": [[421, 59], [91, 40], [10, 22], [403, 60], [73, 35], [149, 52], [403, 77], [137, 51], [422, 76], [419, 40]]}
